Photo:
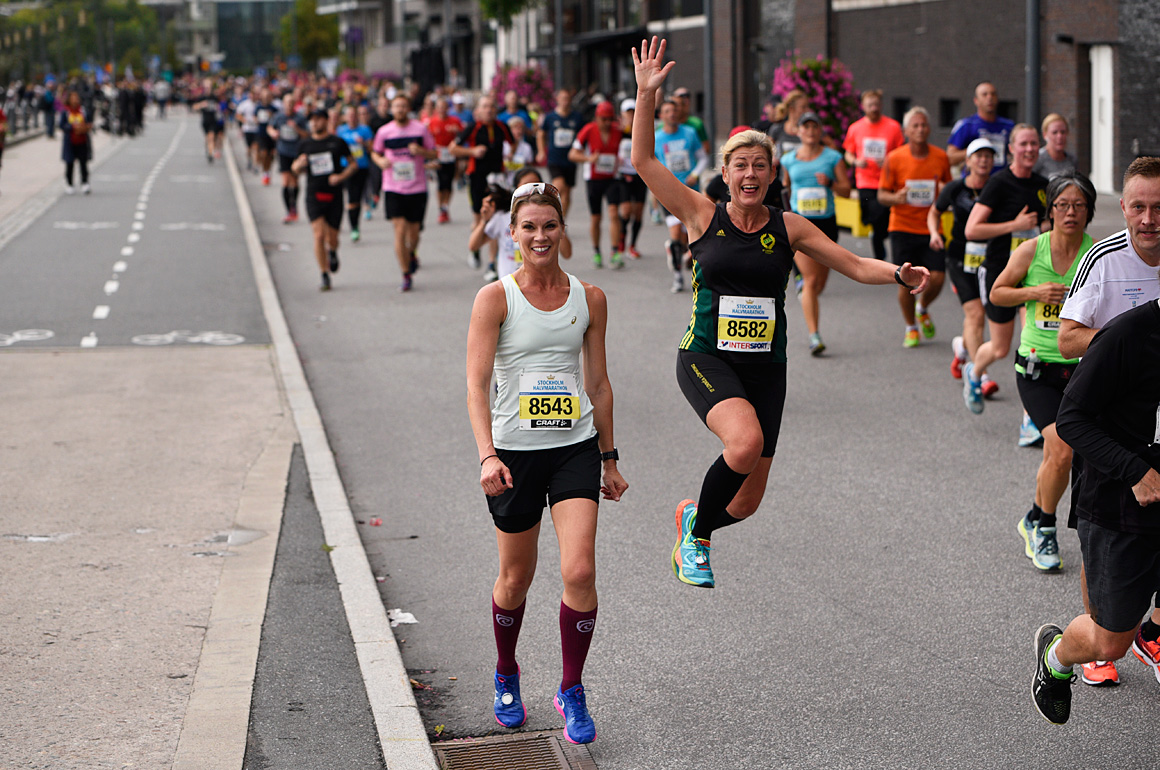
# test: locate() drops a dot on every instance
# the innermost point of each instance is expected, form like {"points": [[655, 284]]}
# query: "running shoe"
{"points": [[578, 726], [911, 339], [69, 189], [473, 260], [633, 253], [1029, 435], [959, 358], [325, 282], [1100, 673], [972, 389], [370, 213], [656, 216], [1043, 547], [1050, 691], [413, 266], [86, 188], [989, 387], [924, 321], [490, 275], [617, 261], [671, 256], [691, 555], [405, 286], [1147, 652], [798, 280], [678, 284], [288, 219], [597, 260], [817, 347], [265, 180], [354, 236], [444, 218], [509, 707], [333, 260]]}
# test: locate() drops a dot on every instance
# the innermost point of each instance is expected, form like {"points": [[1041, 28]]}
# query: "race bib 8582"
{"points": [[746, 324]]}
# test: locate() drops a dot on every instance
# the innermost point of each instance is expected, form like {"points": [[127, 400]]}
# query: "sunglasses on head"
{"points": [[534, 188]]}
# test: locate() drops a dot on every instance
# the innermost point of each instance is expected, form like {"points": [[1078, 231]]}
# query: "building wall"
{"points": [[1137, 68]]}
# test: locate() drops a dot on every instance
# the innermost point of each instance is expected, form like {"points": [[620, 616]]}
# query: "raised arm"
{"points": [[686, 204]]}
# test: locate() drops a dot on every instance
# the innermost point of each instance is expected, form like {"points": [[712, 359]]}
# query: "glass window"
{"points": [[948, 112]]}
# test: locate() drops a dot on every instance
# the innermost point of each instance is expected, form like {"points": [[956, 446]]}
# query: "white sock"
{"points": [[912, 328], [986, 377], [1053, 661], [959, 348], [919, 309]]}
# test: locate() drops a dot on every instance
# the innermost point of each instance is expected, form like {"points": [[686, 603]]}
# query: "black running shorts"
{"points": [[707, 381], [285, 163], [995, 313], [597, 189], [1042, 396], [915, 249], [445, 174], [628, 189], [545, 476], [567, 173], [330, 210], [966, 285], [410, 207], [1123, 573]]}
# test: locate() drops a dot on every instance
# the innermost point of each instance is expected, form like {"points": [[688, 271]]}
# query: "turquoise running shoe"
{"points": [[509, 708], [690, 554], [578, 726], [972, 389]]}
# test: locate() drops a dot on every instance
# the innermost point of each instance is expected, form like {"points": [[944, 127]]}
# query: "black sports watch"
{"points": [[898, 278], [613, 455]]}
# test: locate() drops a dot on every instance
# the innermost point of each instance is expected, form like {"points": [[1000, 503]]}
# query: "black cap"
{"points": [[807, 116], [320, 113]]}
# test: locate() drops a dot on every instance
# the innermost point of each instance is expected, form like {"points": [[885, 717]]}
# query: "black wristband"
{"points": [[898, 277], [481, 462], [613, 455]]}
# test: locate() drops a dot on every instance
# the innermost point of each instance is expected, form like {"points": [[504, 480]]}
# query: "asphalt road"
{"points": [[876, 612]]}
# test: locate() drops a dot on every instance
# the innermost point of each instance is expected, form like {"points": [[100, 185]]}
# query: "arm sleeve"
{"points": [[702, 161], [1094, 385]]}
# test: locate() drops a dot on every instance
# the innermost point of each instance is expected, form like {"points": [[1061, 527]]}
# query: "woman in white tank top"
{"points": [[548, 439]]}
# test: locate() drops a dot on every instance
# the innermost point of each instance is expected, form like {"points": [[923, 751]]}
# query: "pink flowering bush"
{"points": [[532, 84], [828, 85]]}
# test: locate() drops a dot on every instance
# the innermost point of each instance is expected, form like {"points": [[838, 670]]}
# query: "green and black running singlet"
{"points": [[739, 284]]}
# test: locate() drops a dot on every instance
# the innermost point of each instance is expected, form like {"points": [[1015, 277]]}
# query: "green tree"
{"points": [[310, 36], [503, 10]]}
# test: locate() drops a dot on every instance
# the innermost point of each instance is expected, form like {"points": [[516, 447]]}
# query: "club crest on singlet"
{"points": [[768, 242]]}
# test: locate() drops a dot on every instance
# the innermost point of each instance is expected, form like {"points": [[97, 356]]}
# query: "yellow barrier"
{"points": [[849, 214]]}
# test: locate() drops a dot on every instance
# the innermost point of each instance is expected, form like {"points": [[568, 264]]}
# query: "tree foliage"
{"points": [[306, 34], [503, 10]]}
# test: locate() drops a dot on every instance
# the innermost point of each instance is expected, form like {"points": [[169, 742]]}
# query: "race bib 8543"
{"points": [[548, 401]]}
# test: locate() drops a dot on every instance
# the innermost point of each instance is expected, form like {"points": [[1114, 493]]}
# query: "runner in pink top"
{"points": [[401, 149]]}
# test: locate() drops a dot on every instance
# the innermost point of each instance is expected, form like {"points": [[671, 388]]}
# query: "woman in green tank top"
{"points": [[1038, 276]]}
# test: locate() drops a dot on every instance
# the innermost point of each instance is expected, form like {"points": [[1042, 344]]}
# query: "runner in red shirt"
{"points": [[444, 127], [868, 141], [596, 146]]}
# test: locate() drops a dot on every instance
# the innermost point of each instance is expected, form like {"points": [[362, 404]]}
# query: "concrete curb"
{"points": [[400, 728]]}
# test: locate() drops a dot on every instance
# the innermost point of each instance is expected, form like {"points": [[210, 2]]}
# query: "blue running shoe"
{"points": [[972, 389], [578, 727], [691, 554], [1045, 549], [1029, 435], [509, 708]]}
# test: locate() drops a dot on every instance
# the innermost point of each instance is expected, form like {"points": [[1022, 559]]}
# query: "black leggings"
{"points": [[68, 171]]}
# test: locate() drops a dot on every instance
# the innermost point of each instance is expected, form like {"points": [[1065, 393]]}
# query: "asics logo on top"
{"points": [[586, 626], [573, 319], [504, 620]]}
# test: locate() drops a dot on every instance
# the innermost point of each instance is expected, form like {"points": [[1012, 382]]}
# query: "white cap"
{"points": [[457, 99], [628, 104], [979, 144]]}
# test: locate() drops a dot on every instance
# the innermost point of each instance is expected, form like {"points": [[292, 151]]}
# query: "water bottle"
{"points": [[1029, 367]]}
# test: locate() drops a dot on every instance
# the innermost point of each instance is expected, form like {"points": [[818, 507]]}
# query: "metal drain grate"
{"points": [[546, 750]]}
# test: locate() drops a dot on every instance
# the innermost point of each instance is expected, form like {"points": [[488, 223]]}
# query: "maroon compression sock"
{"points": [[506, 624], [575, 638]]}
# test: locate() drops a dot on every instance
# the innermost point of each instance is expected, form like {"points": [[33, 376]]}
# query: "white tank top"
{"points": [[540, 401]]}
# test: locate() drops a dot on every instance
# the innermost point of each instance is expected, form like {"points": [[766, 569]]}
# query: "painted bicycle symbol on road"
{"points": [[192, 338], [25, 335]]}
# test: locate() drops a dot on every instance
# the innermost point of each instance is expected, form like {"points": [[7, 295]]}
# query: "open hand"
{"points": [[649, 63]]}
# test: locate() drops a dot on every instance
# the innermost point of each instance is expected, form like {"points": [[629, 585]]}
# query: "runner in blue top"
{"points": [[679, 149], [358, 138], [554, 139], [985, 124], [811, 175]]}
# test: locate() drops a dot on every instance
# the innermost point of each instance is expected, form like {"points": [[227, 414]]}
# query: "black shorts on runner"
{"points": [[330, 210], [707, 381], [285, 163], [966, 285], [1042, 396], [545, 476], [567, 173], [629, 189], [597, 190], [445, 174], [477, 187], [828, 225], [265, 142], [1123, 573], [251, 137], [410, 207], [872, 212], [995, 313], [356, 184], [915, 249]]}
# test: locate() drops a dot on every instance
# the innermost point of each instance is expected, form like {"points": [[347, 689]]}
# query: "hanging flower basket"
{"points": [[828, 86]]}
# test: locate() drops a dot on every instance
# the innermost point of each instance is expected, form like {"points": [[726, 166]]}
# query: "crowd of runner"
{"points": [[1001, 211]]}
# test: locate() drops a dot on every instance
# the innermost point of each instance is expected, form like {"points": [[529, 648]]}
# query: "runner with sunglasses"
{"points": [[731, 363], [548, 440]]}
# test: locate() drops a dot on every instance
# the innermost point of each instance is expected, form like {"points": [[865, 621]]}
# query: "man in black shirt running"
{"points": [[327, 163], [1111, 416]]}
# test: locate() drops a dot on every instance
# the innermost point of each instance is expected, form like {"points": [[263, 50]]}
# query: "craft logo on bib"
{"points": [[767, 241], [321, 164], [745, 324], [548, 401]]}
